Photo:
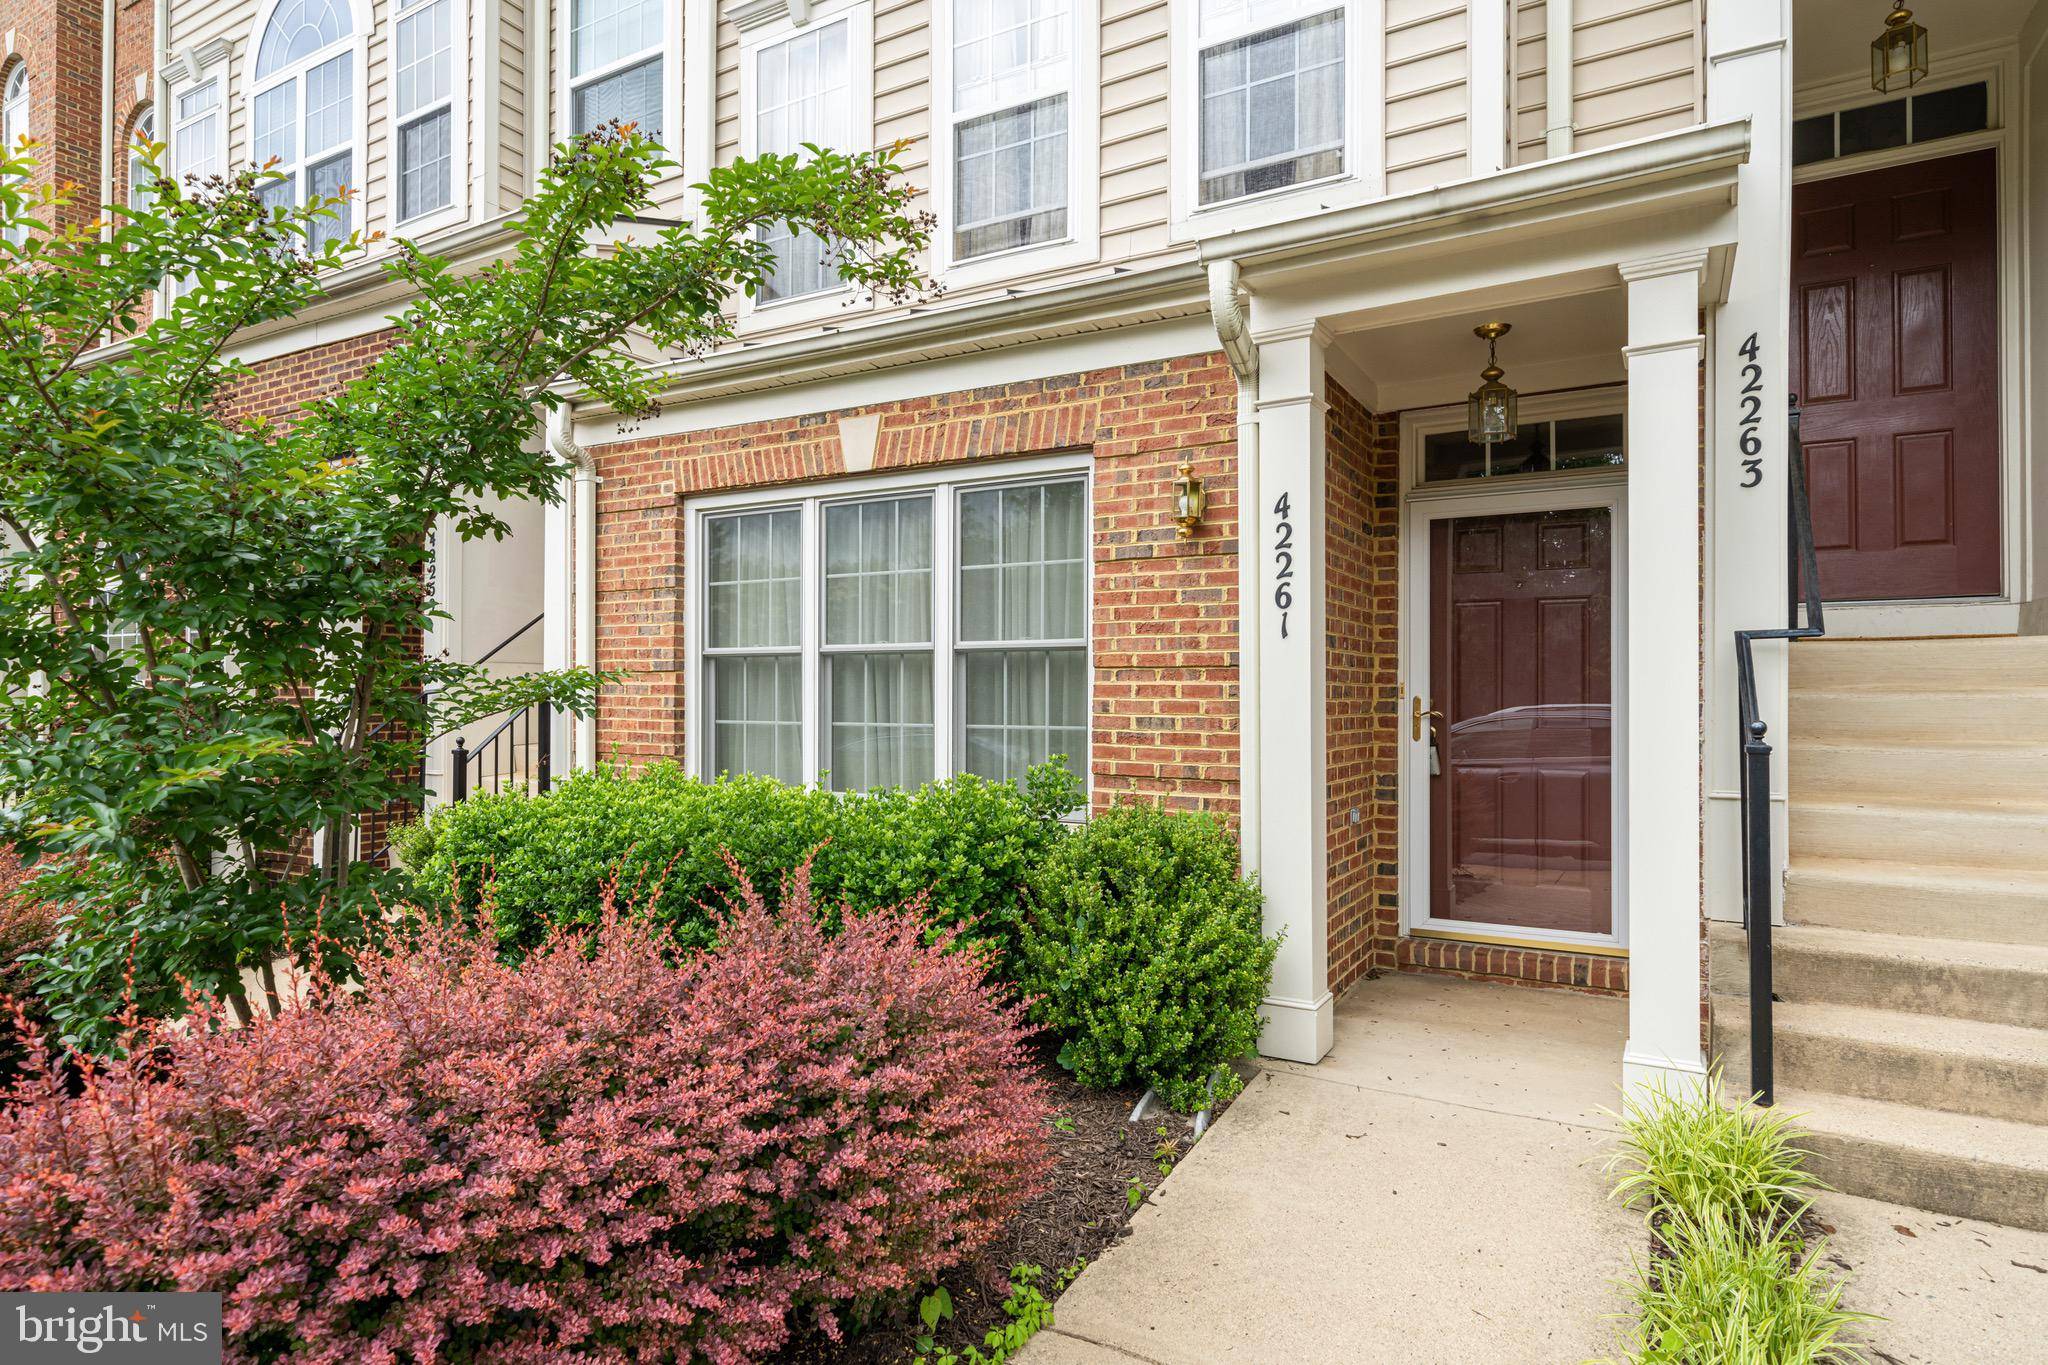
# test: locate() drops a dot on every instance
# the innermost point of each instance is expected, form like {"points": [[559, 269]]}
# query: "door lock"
{"points": [[1418, 713]]}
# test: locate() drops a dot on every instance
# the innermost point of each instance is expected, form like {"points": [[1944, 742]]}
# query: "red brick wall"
{"points": [[279, 387], [59, 42], [1165, 610], [134, 51], [1363, 685]]}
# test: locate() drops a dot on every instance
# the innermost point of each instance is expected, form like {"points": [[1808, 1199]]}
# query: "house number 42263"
{"points": [[1283, 560], [1749, 423]]}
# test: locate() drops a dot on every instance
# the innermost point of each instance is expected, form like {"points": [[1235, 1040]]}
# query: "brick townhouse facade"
{"points": [[1470, 695]]}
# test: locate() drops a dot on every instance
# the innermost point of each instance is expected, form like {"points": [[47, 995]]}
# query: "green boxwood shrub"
{"points": [[968, 843], [1147, 953]]}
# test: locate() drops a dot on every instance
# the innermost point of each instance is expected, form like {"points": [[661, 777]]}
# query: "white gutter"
{"points": [[1233, 333], [1557, 78], [583, 507], [108, 138]]}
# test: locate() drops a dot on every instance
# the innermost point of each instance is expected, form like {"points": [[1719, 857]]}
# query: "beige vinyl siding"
{"points": [[1636, 69], [1428, 69], [1136, 147], [726, 145], [513, 121], [377, 207], [1528, 109]]}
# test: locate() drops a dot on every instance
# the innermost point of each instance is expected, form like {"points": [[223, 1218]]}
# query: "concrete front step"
{"points": [[2008, 906], [1956, 1164], [1870, 716], [1972, 774], [1986, 664], [1959, 1065], [1987, 836], [1996, 983]]}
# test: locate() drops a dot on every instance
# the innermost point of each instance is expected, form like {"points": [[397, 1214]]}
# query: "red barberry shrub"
{"points": [[597, 1154], [27, 924]]}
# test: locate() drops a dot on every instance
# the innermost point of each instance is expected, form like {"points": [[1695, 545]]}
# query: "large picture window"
{"points": [[886, 638], [303, 112], [1271, 98], [615, 64]]}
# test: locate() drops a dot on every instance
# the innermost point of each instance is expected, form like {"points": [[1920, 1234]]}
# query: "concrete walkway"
{"points": [[1431, 1192]]}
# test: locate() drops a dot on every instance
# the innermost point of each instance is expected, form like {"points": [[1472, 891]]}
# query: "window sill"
{"points": [[1020, 262], [1196, 221]]}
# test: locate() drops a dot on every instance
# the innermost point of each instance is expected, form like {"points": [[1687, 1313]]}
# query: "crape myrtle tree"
{"points": [[209, 623]]}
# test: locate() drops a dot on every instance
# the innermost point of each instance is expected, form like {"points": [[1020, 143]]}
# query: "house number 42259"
{"points": [[1749, 438], [1283, 561]]}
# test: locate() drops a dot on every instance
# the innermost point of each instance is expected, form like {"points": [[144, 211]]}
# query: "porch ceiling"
{"points": [[1557, 343], [1831, 38]]}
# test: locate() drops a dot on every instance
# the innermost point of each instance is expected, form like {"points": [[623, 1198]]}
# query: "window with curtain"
{"points": [[942, 627], [1012, 80], [14, 124], [143, 130], [302, 114], [803, 92], [423, 97], [753, 667], [615, 64], [1272, 99]]}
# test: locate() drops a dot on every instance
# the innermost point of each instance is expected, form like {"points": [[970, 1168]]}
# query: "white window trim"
{"points": [[671, 50], [1418, 423], [457, 210], [1083, 243], [361, 22], [945, 485], [1364, 174], [754, 314], [178, 130]]}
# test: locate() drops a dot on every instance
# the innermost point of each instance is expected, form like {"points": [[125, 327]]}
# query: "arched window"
{"points": [[14, 125], [139, 179], [303, 107]]}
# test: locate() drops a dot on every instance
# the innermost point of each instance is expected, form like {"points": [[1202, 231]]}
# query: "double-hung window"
{"points": [[803, 92], [1271, 96], [616, 65], [196, 130], [886, 637], [423, 98], [303, 113], [1012, 108]]}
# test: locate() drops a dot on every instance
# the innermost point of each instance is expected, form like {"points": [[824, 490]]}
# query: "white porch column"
{"points": [[1286, 609], [1661, 726]]}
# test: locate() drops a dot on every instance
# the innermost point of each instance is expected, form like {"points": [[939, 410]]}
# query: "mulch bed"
{"points": [[1084, 1209]]}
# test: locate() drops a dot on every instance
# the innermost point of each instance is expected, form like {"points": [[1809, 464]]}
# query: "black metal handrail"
{"points": [[531, 728], [1802, 589]]}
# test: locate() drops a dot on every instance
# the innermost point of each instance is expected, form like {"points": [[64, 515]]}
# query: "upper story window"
{"points": [[423, 100], [304, 110], [1272, 98], [615, 64], [803, 92], [14, 125], [1013, 74], [143, 130], [196, 130]]}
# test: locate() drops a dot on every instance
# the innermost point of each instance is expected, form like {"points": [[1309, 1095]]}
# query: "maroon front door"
{"points": [[1521, 664], [1895, 362]]}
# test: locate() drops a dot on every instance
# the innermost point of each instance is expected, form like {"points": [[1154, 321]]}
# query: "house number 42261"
{"points": [[1749, 438], [1283, 560]]}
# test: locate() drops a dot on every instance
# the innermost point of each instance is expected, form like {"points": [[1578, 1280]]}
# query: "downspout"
{"points": [[1233, 333], [583, 504], [109, 139], [1557, 78]]}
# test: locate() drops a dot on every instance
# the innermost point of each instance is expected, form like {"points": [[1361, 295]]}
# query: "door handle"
{"points": [[1417, 715]]}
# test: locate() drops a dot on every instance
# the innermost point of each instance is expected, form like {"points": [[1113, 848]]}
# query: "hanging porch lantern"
{"points": [[1898, 56], [1490, 411]]}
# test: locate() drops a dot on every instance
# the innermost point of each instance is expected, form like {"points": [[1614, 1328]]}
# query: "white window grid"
{"points": [[196, 127], [142, 130], [1249, 83], [803, 91], [622, 42], [14, 125], [426, 156], [950, 652], [306, 108]]}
